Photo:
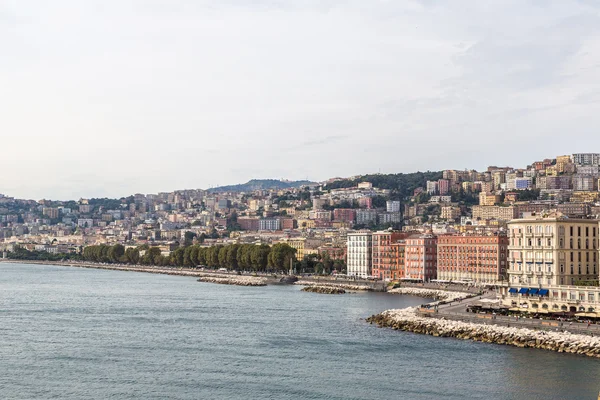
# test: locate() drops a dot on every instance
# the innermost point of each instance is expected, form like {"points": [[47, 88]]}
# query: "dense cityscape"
{"points": [[530, 230]]}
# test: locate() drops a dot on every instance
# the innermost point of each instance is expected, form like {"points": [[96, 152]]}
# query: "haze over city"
{"points": [[113, 98]]}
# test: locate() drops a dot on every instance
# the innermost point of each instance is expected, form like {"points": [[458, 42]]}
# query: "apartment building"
{"points": [[420, 257], [383, 257], [494, 212], [472, 258], [552, 250], [360, 248]]}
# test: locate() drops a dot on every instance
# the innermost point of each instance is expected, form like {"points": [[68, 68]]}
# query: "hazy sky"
{"points": [[113, 97]]}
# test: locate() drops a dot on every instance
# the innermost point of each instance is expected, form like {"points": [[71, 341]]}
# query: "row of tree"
{"points": [[233, 256]]}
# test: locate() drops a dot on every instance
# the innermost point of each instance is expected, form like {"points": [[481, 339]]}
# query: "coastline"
{"points": [[409, 320]]}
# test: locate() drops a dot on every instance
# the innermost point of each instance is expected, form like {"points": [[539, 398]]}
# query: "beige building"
{"points": [[494, 212], [488, 199], [450, 212], [551, 251]]}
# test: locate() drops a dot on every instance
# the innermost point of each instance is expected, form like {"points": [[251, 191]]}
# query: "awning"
{"points": [[588, 315], [512, 290], [532, 291], [523, 290], [542, 311], [543, 292], [514, 309]]}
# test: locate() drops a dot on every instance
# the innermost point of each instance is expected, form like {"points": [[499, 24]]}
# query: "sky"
{"points": [[113, 97]]}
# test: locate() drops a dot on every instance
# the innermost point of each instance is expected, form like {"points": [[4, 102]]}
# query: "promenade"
{"points": [[457, 311]]}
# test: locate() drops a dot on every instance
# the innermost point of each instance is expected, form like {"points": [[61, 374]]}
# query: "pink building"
{"points": [[443, 186], [344, 215], [421, 257], [365, 202]]}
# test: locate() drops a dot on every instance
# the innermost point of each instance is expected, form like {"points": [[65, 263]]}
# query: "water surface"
{"points": [[71, 333]]}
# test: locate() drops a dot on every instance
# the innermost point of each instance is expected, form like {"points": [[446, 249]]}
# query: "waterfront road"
{"points": [[457, 310]]}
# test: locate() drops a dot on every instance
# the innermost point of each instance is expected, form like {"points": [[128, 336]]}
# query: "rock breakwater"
{"points": [[323, 290], [563, 342], [234, 280], [345, 286]]}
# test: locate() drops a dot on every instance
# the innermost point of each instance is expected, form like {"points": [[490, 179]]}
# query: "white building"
{"points": [[586, 158], [359, 253], [392, 206], [432, 187]]}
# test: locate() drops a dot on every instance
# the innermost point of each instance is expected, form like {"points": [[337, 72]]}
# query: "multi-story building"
{"points": [[584, 182], [443, 186], [586, 158], [344, 214], [552, 250], [392, 206], [450, 212], [432, 187], [398, 267], [494, 212], [488, 199], [269, 224], [383, 256], [421, 257], [248, 223], [389, 218], [472, 258], [366, 217], [523, 183], [360, 247], [574, 209]]}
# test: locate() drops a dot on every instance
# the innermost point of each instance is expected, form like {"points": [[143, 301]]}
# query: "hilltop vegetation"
{"points": [[401, 185], [261, 184]]}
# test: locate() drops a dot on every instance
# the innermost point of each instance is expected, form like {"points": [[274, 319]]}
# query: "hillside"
{"points": [[401, 185], [261, 184]]}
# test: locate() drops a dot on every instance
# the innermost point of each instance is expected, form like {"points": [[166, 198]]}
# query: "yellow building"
{"points": [[488, 199], [585, 197], [554, 250], [306, 223]]}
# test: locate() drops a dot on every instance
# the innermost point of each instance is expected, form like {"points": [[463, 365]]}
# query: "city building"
{"points": [[359, 253], [494, 212], [586, 158], [384, 259], [552, 250], [488, 199], [392, 206], [366, 217], [421, 257], [472, 258]]}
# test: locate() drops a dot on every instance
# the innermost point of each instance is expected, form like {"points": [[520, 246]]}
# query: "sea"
{"points": [[75, 333]]}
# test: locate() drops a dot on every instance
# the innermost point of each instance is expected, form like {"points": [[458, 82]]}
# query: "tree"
{"points": [[280, 256], [260, 256], [231, 257], [116, 253], [222, 257], [132, 256]]}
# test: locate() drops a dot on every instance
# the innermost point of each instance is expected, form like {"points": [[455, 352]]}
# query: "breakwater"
{"points": [[323, 290], [563, 342], [235, 280], [346, 286], [431, 293]]}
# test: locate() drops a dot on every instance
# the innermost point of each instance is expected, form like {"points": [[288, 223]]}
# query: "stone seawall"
{"points": [[408, 320], [323, 290]]}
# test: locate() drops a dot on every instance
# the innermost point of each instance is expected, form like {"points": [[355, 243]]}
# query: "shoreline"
{"points": [[409, 320]]}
